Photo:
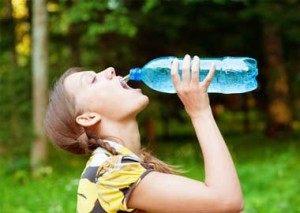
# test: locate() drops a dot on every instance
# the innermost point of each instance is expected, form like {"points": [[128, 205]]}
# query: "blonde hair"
{"points": [[65, 133]]}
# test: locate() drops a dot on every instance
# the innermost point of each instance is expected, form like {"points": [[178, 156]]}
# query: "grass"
{"points": [[268, 170]]}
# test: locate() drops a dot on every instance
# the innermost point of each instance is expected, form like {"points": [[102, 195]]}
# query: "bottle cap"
{"points": [[135, 74]]}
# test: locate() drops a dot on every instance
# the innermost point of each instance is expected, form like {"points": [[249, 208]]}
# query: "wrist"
{"points": [[203, 114]]}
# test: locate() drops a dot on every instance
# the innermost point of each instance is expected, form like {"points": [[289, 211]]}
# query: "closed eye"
{"points": [[94, 79]]}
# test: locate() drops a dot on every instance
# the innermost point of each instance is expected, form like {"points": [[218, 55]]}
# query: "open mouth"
{"points": [[125, 85]]}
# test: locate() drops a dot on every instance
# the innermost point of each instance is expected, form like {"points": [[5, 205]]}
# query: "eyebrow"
{"points": [[84, 75]]}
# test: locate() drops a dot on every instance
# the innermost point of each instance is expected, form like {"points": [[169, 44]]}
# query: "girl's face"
{"points": [[105, 94]]}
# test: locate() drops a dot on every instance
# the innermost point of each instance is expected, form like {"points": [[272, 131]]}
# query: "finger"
{"points": [[186, 65], [195, 70], [209, 77], [174, 72]]}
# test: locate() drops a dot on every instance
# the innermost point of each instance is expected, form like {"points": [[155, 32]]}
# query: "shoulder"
{"points": [[109, 179]]}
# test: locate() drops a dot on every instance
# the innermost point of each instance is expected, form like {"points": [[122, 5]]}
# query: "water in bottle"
{"points": [[232, 74]]}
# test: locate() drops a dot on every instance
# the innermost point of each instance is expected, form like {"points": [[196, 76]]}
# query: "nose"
{"points": [[110, 73]]}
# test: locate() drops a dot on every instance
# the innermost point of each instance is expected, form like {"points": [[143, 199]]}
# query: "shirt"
{"points": [[108, 180]]}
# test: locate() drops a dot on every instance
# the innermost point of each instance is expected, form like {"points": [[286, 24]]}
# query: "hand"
{"points": [[192, 93]]}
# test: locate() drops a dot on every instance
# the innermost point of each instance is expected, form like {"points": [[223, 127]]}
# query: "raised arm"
{"points": [[221, 191], [220, 173]]}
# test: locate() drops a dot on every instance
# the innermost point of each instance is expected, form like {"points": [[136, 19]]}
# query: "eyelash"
{"points": [[94, 79]]}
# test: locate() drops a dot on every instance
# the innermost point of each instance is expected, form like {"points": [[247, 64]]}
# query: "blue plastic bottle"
{"points": [[232, 75]]}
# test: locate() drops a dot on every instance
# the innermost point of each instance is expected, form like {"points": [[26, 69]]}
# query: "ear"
{"points": [[88, 119]]}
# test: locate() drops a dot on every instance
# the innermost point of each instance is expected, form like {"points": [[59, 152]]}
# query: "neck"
{"points": [[126, 133]]}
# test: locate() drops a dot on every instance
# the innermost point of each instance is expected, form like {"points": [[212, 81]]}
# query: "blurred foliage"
{"points": [[128, 33], [96, 17]]}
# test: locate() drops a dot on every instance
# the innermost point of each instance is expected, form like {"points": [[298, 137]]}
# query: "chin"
{"points": [[143, 103], [146, 102]]}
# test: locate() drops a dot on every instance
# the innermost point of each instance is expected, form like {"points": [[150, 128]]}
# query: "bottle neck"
{"points": [[135, 74]]}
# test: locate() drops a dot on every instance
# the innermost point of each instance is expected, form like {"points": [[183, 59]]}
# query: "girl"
{"points": [[95, 113]]}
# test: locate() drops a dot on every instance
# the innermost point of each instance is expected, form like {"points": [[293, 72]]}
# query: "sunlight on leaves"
{"points": [[19, 9]]}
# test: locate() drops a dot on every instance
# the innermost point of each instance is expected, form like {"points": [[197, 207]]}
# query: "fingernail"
{"points": [[195, 58], [187, 55], [174, 60]]}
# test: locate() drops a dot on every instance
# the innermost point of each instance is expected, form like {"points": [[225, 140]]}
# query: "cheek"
{"points": [[138, 103], [126, 105], [91, 100], [107, 102], [113, 102]]}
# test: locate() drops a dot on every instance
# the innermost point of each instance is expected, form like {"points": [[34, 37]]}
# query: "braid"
{"points": [[157, 164], [106, 146], [89, 144]]}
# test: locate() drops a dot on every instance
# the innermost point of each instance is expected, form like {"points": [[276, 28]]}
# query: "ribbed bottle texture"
{"points": [[232, 75]]}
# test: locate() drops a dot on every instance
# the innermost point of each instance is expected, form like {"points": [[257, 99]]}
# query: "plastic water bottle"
{"points": [[232, 74]]}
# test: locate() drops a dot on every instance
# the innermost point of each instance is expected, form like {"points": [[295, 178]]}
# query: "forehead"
{"points": [[72, 80], [73, 83]]}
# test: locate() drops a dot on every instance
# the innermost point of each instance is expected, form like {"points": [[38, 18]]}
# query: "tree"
{"points": [[39, 149], [276, 26], [279, 110]]}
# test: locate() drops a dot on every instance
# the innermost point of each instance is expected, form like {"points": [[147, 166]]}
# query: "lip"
{"points": [[124, 84]]}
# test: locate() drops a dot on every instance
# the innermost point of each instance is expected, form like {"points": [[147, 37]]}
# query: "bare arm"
{"points": [[219, 168], [221, 190]]}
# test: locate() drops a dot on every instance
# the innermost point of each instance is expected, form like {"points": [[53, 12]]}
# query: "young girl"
{"points": [[95, 113]]}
